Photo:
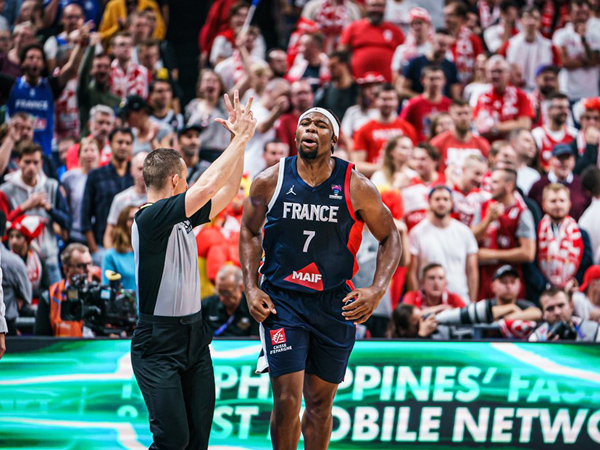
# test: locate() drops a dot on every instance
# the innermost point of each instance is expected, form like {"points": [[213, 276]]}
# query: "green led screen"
{"points": [[406, 395]]}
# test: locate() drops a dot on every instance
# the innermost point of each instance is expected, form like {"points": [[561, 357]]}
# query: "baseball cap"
{"points": [[187, 128], [546, 68], [506, 269], [561, 150], [133, 103], [593, 273], [418, 13], [371, 77]]}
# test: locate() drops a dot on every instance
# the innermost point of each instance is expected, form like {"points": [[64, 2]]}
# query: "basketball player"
{"points": [[315, 206]]}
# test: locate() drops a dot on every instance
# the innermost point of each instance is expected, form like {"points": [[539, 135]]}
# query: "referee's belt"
{"points": [[170, 320]]}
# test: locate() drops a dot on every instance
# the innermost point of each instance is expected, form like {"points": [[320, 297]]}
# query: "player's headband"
{"points": [[326, 113]]}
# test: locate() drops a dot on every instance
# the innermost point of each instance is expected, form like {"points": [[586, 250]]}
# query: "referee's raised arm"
{"points": [[221, 180]]}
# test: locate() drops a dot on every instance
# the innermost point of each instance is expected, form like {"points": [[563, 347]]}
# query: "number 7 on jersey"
{"points": [[311, 235]]}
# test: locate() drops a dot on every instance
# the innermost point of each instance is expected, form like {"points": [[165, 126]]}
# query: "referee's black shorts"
{"points": [[171, 362]]}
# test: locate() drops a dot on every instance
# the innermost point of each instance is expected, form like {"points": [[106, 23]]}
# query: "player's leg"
{"points": [[317, 420], [285, 418]]}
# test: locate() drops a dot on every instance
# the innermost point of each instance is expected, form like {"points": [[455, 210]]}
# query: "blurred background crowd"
{"points": [[478, 121]]}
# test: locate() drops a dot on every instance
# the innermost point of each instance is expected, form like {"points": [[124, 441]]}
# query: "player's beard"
{"points": [[310, 156]]}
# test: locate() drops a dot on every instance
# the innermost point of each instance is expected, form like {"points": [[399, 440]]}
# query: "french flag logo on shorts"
{"points": [[278, 336]]}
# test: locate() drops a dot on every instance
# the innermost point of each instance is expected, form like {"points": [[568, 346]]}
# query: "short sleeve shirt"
{"points": [[166, 257]]}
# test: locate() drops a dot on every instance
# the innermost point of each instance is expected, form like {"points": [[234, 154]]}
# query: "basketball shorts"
{"points": [[308, 333]]}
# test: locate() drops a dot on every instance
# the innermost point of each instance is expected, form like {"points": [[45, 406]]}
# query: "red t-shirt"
{"points": [[448, 298], [493, 108], [286, 130], [453, 151], [373, 136], [73, 156], [420, 112], [372, 46]]}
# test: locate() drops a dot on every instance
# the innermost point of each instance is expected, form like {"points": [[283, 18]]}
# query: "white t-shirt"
{"points": [[578, 83], [354, 118], [122, 199], [253, 158], [404, 54], [589, 222], [449, 247], [526, 177]]}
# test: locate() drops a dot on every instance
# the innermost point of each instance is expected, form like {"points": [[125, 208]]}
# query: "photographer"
{"points": [[77, 260], [559, 322], [408, 321]]}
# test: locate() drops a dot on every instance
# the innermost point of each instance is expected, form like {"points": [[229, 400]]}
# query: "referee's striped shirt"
{"points": [[166, 257]]}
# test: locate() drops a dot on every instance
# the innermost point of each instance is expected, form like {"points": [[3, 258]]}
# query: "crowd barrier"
{"points": [[81, 394]]}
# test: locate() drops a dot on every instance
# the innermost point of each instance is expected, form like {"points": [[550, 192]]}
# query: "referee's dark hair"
{"points": [[159, 165]]}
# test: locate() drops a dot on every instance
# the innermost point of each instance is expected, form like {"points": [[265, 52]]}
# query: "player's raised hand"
{"points": [[361, 303], [241, 121], [260, 305]]}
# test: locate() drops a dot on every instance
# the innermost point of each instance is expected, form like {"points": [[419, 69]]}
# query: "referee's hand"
{"points": [[260, 305]]}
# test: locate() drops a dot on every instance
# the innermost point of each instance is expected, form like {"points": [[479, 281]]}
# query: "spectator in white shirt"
{"points": [[590, 219], [523, 142]]}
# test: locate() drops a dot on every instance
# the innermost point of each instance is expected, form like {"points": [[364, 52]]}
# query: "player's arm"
{"points": [[222, 172], [473, 276], [255, 211], [368, 207], [524, 253]]}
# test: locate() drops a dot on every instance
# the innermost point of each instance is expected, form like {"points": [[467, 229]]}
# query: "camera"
{"points": [[106, 310], [563, 330], [475, 313]]}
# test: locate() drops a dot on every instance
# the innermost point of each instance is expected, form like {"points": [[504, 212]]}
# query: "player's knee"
{"points": [[288, 404], [319, 410]]}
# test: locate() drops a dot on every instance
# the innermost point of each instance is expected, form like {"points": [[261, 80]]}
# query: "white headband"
{"points": [[326, 113]]}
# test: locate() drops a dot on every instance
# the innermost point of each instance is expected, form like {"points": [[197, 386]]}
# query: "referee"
{"points": [[169, 349]]}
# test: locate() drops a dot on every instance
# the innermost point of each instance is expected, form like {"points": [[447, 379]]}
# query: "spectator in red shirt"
{"points": [[126, 77], [555, 130], [467, 195], [467, 44], [370, 139], [546, 84], [101, 123], [529, 49], [433, 297], [455, 145], [372, 41], [421, 110], [501, 108], [302, 98]]}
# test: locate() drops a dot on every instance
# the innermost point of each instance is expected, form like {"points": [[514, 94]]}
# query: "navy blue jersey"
{"points": [[311, 235]]}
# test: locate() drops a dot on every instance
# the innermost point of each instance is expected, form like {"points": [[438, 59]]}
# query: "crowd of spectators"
{"points": [[478, 121]]}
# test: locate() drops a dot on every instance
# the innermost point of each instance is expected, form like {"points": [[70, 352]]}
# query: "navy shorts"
{"points": [[308, 333]]}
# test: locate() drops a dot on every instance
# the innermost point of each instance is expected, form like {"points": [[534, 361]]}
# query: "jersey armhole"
{"points": [[279, 183], [347, 190]]}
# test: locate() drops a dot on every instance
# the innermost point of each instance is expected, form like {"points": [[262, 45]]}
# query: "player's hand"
{"points": [[363, 303], [260, 305], [241, 122]]}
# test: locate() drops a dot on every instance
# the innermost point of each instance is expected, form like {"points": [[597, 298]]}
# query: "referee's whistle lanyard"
{"points": [[223, 327]]}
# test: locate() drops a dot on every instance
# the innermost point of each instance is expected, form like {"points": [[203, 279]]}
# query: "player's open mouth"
{"points": [[309, 142]]}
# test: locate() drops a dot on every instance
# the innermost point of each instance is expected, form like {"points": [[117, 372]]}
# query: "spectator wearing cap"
{"points": [[433, 295], [529, 48], [563, 248], [562, 163], [420, 111], [466, 44], [586, 301], [506, 233], [579, 44], [409, 84], [15, 286], [590, 179], [555, 130], [20, 233], [126, 77], [189, 147], [441, 239], [161, 101], [134, 196], [546, 84], [417, 43], [495, 36], [101, 187], [372, 41], [364, 109], [148, 134], [502, 107], [301, 98], [585, 145], [93, 85], [342, 91], [370, 139]]}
